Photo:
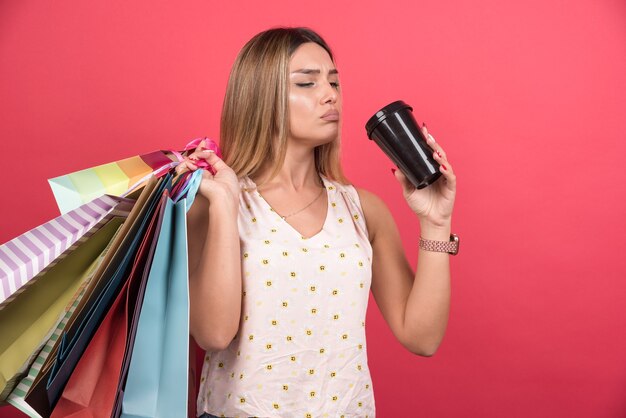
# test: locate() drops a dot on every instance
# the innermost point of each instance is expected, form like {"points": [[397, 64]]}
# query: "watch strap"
{"points": [[450, 247]]}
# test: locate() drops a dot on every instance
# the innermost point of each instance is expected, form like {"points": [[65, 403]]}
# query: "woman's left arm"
{"points": [[415, 306]]}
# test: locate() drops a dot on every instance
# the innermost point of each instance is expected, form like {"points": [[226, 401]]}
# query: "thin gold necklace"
{"points": [[299, 210]]}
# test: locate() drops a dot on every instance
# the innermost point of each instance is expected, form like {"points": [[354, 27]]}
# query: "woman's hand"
{"points": [[432, 204], [223, 184]]}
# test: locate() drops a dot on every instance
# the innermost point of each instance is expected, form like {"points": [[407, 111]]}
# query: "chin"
{"points": [[317, 140], [328, 140]]}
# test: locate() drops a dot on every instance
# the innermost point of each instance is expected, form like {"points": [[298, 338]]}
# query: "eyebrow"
{"points": [[312, 71]]}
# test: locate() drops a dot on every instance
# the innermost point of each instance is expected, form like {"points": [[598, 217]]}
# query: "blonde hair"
{"points": [[255, 115]]}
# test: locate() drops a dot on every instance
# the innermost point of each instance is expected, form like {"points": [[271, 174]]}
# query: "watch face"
{"points": [[454, 240]]}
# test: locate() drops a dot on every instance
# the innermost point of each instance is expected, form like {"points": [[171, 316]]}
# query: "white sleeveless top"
{"points": [[300, 350]]}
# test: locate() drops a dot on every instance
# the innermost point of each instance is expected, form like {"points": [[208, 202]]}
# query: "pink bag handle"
{"points": [[192, 145]]}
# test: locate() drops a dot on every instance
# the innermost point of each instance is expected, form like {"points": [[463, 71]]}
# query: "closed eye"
{"points": [[334, 84]]}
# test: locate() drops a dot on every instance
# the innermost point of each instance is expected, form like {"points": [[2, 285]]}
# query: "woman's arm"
{"points": [[416, 306], [214, 273], [214, 254]]}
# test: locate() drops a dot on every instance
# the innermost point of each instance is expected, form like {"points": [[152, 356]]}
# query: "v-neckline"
{"points": [[291, 227]]}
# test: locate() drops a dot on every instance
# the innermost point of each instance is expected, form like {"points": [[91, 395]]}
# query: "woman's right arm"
{"points": [[214, 258]]}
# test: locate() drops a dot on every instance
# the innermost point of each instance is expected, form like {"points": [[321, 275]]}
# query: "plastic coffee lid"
{"points": [[383, 113]]}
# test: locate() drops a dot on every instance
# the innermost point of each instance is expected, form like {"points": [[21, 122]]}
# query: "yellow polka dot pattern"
{"points": [[300, 350]]}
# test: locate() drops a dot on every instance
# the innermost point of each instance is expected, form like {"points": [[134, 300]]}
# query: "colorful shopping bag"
{"points": [[119, 177], [74, 341], [17, 397], [157, 382], [28, 320], [92, 388], [24, 257], [103, 289], [116, 178]]}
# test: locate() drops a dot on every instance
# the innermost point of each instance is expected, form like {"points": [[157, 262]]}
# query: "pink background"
{"points": [[528, 99]]}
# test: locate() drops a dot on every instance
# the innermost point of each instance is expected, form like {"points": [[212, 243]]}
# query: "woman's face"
{"points": [[314, 96]]}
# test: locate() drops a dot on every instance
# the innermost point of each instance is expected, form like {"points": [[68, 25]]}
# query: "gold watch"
{"points": [[451, 247]]}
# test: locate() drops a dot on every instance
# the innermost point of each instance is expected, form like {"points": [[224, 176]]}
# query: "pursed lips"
{"points": [[331, 115]]}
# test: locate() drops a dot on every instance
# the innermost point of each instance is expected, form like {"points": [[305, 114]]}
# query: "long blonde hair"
{"points": [[255, 115]]}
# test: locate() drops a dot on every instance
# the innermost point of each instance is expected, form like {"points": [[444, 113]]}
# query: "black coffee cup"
{"points": [[396, 132]]}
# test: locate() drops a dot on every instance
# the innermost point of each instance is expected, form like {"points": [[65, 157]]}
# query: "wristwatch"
{"points": [[450, 247]]}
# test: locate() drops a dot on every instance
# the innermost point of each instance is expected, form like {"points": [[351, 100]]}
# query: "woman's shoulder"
{"points": [[373, 207], [364, 196], [371, 203], [246, 184]]}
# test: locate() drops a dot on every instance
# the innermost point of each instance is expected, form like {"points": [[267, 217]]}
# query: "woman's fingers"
{"points": [[214, 161], [430, 140], [445, 164], [201, 146], [204, 158], [407, 186], [184, 166], [448, 172], [440, 156]]}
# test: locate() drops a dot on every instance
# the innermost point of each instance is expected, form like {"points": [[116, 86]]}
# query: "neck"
{"points": [[298, 172]]}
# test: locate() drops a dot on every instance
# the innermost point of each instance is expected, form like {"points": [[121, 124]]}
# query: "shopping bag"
{"points": [[116, 178], [30, 317], [73, 343], [181, 185], [24, 257], [100, 295], [157, 382], [120, 177], [17, 397], [135, 312], [92, 388]]}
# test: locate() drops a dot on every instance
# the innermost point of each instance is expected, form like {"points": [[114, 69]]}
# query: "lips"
{"points": [[331, 115]]}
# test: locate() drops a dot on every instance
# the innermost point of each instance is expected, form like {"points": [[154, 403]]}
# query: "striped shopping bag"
{"points": [[25, 257], [27, 322], [51, 341]]}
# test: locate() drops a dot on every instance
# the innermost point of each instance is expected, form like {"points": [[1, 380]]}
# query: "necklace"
{"points": [[299, 210]]}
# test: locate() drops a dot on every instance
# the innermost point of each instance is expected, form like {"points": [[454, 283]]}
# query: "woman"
{"points": [[283, 250]]}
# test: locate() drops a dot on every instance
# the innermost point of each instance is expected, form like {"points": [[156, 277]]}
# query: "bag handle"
{"points": [[190, 189]]}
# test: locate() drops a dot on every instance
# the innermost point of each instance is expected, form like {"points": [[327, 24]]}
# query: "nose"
{"points": [[330, 94]]}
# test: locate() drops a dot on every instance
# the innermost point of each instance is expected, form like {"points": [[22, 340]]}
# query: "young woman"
{"points": [[283, 250]]}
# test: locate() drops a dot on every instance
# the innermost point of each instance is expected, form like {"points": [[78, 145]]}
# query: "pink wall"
{"points": [[528, 99]]}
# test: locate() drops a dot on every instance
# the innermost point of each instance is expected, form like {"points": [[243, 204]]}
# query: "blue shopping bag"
{"points": [[157, 382]]}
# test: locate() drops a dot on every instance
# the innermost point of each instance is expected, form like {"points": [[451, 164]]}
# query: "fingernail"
{"points": [[439, 154], [393, 171], [424, 125], [444, 167]]}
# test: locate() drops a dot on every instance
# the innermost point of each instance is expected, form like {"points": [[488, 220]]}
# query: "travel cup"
{"points": [[396, 132]]}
